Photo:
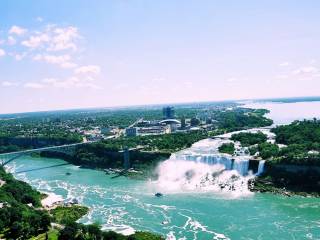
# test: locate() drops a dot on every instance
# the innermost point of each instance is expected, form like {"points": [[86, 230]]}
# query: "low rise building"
{"points": [[131, 132]]}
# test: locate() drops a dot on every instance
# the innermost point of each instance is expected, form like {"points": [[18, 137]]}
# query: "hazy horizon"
{"points": [[245, 101], [97, 54]]}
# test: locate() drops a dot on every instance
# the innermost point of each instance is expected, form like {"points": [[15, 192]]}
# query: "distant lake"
{"points": [[285, 113]]}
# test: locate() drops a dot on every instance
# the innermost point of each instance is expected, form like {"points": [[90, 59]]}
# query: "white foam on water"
{"points": [[171, 236], [164, 207], [196, 227], [123, 229]]}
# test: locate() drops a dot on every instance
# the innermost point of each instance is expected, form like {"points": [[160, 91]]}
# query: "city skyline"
{"points": [[76, 54]]}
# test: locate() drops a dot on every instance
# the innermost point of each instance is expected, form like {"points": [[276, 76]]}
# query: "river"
{"points": [[124, 204]]}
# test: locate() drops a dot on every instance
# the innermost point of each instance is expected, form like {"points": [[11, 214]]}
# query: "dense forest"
{"points": [[227, 148], [242, 118], [266, 150], [302, 140], [300, 143], [295, 166], [19, 218], [305, 132], [247, 139]]}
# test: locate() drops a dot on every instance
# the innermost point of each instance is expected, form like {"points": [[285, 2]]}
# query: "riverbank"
{"points": [[263, 185], [51, 200], [288, 180]]}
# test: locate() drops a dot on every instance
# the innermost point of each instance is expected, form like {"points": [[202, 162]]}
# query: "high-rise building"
{"points": [[168, 112], [183, 122]]}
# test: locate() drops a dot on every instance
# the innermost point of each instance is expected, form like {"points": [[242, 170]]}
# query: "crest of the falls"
{"points": [[202, 167], [206, 151]]}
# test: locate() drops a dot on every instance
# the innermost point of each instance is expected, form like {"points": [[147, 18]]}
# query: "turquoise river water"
{"points": [[120, 203]]}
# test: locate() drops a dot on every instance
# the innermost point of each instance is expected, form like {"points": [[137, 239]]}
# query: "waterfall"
{"points": [[241, 166], [178, 176], [203, 168], [260, 167]]}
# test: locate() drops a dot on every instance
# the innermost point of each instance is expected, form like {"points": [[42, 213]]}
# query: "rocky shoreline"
{"points": [[263, 185]]}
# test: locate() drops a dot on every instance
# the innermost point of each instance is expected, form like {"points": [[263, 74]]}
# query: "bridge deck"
{"points": [[45, 148]]}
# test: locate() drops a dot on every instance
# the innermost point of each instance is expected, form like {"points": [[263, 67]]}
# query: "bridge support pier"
{"points": [[126, 156]]}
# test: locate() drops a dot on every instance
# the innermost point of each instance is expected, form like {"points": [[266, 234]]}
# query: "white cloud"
{"points": [[9, 84], [2, 52], [11, 40], [36, 41], [17, 30], [305, 70], [89, 69], [63, 39], [77, 82], [63, 61], [284, 64], [19, 57], [39, 19], [33, 85], [54, 39], [68, 83], [44, 46]]}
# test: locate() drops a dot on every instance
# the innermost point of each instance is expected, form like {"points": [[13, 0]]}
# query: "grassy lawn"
{"points": [[146, 236], [52, 235]]}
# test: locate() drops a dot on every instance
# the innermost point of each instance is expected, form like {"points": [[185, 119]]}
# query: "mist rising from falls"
{"points": [[187, 176], [203, 168]]}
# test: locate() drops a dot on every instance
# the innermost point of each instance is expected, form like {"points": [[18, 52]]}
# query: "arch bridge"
{"points": [[69, 149], [6, 158]]}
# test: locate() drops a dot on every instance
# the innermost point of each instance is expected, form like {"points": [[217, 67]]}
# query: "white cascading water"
{"points": [[260, 167], [202, 167], [241, 166]]}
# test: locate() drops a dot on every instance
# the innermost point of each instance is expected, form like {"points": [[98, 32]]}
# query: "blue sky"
{"points": [[73, 54]]}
